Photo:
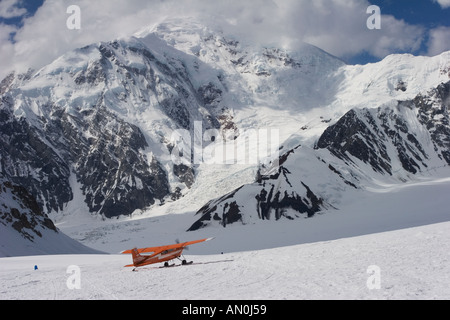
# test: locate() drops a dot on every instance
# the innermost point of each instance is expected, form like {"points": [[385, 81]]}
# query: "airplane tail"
{"points": [[137, 258]]}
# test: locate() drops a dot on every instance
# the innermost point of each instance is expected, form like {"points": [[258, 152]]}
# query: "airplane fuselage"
{"points": [[164, 256]]}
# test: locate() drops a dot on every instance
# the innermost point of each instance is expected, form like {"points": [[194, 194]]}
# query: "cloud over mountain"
{"points": [[336, 26]]}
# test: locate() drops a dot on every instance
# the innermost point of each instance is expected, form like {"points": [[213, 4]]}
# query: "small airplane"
{"points": [[141, 257]]}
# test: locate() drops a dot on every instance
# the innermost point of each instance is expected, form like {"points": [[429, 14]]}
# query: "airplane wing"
{"points": [[168, 247]]}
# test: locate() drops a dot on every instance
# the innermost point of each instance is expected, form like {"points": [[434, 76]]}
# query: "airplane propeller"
{"points": [[177, 241]]}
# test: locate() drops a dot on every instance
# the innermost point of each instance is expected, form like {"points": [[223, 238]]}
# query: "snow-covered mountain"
{"points": [[100, 127], [393, 143], [106, 112], [26, 230]]}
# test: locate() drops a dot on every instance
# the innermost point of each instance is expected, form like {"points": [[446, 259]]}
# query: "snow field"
{"points": [[392, 243], [412, 264]]}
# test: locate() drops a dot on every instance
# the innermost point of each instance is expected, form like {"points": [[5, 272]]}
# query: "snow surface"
{"points": [[412, 264], [402, 231]]}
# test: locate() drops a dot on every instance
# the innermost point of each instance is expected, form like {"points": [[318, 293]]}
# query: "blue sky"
{"points": [[29, 7], [427, 13], [34, 33]]}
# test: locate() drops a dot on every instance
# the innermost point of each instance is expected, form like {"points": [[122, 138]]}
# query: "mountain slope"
{"points": [[75, 107], [390, 143], [26, 230], [394, 137], [108, 112]]}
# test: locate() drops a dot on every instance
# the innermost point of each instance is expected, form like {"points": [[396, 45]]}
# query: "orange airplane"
{"points": [[141, 257]]}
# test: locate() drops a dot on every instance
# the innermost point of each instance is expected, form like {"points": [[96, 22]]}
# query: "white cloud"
{"points": [[443, 3], [9, 9], [439, 41], [340, 27], [6, 47], [337, 26]]}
